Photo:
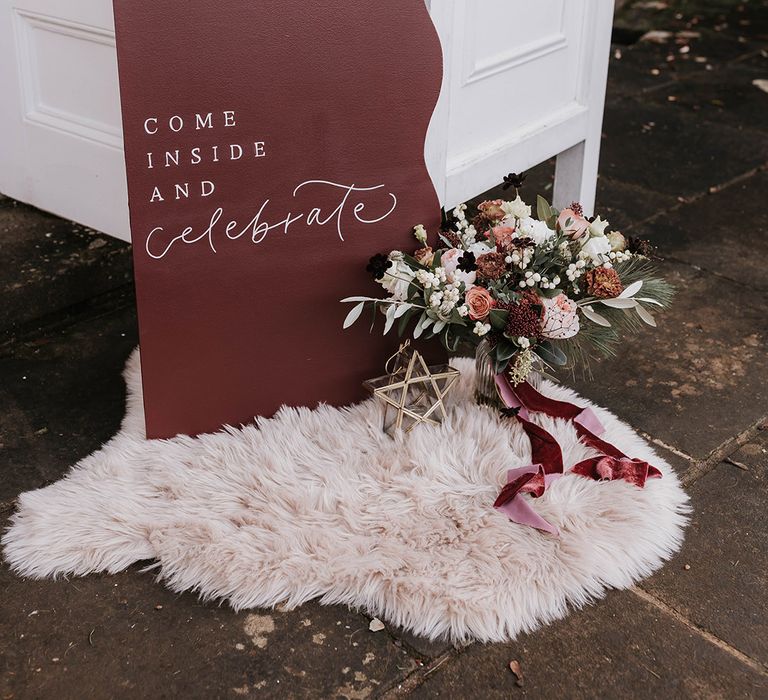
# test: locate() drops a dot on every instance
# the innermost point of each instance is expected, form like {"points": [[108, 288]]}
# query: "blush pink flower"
{"points": [[449, 260], [572, 224], [480, 303], [503, 235], [560, 319]]}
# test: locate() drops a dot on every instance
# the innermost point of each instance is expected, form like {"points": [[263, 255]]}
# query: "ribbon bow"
{"points": [[547, 457]]}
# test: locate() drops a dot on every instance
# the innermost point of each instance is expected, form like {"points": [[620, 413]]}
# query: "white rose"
{"points": [[597, 227], [596, 249], [517, 208], [397, 279], [480, 248], [535, 229]]}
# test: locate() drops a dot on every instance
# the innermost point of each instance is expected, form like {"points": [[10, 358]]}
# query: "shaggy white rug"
{"points": [[321, 503]]}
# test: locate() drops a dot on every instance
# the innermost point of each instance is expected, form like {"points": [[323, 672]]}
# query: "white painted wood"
{"points": [[524, 81], [60, 126]]}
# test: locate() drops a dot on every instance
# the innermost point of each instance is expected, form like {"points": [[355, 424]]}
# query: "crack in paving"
{"points": [[420, 675], [754, 664], [691, 199], [723, 451]]}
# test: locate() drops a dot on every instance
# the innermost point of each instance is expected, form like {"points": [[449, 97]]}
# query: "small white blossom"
{"points": [[463, 310], [523, 342], [481, 328], [458, 212], [420, 233]]}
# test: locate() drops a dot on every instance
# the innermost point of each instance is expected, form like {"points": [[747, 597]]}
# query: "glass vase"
{"points": [[486, 392]]}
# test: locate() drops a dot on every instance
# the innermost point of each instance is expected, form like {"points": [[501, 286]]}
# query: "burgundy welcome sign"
{"points": [[271, 148]]}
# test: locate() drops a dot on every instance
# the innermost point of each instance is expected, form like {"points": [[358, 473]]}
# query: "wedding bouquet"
{"points": [[556, 289]]}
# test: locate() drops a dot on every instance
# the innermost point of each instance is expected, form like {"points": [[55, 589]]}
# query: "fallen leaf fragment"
{"points": [[515, 667], [657, 36], [376, 625]]}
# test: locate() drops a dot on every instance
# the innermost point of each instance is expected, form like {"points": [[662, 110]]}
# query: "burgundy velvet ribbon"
{"points": [[547, 457]]}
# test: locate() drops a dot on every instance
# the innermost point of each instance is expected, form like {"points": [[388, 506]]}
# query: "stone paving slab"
{"points": [[674, 153], [62, 397], [735, 243], [693, 381], [126, 636], [728, 96], [625, 205], [647, 67], [726, 549], [49, 263], [623, 647]]}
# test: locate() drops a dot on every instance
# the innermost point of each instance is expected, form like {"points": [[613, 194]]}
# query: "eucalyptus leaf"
{"points": [[505, 350], [400, 309], [551, 354], [498, 319], [595, 317], [420, 325], [552, 222], [404, 321], [354, 314], [439, 325], [390, 315], [630, 291], [645, 315], [619, 303], [542, 208]]}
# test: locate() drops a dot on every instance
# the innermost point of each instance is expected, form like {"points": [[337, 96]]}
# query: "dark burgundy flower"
{"points": [[523, 317], [378, 265], [513, 180], [467, 262], [640, 246]]}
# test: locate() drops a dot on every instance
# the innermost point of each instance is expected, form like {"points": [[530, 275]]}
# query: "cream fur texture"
{"points": [[322, 504]]}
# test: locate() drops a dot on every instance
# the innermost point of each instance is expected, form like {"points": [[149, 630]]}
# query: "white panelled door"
{"points": [[524, 81], [60, 124]]}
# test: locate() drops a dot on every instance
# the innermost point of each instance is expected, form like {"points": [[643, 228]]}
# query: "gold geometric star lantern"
{"points": [[413, 393]]}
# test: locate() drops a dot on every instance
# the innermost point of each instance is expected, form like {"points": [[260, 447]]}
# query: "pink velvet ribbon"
{"points": [[547, 457]]}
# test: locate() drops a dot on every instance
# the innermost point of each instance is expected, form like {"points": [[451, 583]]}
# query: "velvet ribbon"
{"points": [[547, 457]]}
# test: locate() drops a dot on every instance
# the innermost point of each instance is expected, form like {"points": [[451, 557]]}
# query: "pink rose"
{"points": [[503, 235], [449, 260], [559, 319], [480, 303], [572, 224]]}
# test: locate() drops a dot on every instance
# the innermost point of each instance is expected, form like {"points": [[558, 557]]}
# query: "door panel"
{"points": [[61, 143]]}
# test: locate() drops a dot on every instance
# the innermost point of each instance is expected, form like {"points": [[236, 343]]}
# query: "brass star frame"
{"points": [[414, 392]]}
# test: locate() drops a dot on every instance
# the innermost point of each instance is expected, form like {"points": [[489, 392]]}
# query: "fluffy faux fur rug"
{"points": [[320, 503]]}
